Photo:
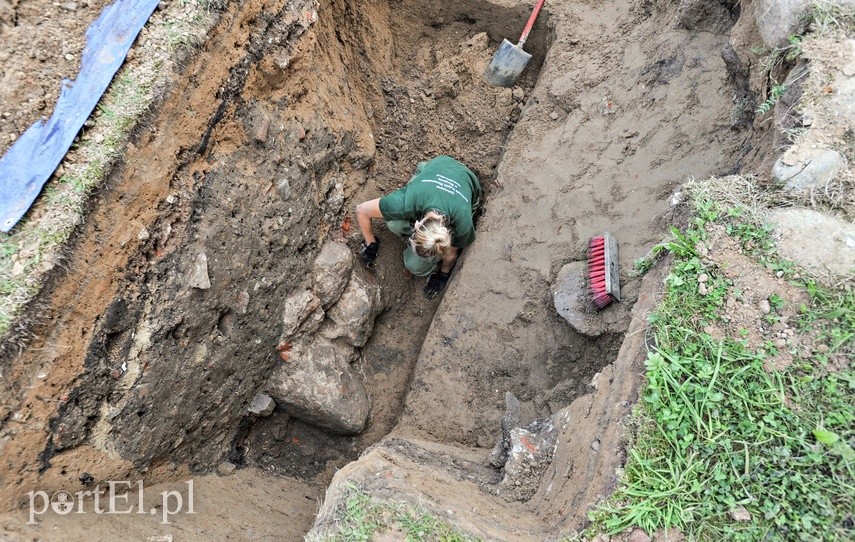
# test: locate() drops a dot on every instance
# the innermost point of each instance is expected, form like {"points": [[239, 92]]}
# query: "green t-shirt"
{"points": [[443, 185]]}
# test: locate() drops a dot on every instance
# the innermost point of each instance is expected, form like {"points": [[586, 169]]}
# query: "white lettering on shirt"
{"points": [[447, 185]]}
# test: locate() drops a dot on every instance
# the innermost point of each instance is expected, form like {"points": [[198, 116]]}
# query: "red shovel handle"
{"points": [[530, 22]]}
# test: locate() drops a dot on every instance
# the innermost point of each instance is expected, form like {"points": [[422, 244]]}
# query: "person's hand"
{"points": [[369, 251], [436, 282]]}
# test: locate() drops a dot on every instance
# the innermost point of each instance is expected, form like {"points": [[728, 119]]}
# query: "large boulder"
{"points": [[315, 383], [777, 19], [352, 317], [801, 168], [571, 300], [331, 271], [815, 241], [302, 314]]}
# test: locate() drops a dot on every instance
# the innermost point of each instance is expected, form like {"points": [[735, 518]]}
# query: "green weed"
{"points": [[775, 94], [716, 431], [360, 518]]}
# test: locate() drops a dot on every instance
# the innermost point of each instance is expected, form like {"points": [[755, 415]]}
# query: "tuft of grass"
{"points": [[34, 246], [715, 432], [832, 16], [359, 518]]}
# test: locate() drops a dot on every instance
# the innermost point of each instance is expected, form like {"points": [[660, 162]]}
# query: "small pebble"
{"points": [[703, 277], [764, 306], [779, 274], [780, 343], [170, 199], [740, 514], [226, 468], [553, 115], [822, 348], [702, 288], [595, 445], [69, 57]]}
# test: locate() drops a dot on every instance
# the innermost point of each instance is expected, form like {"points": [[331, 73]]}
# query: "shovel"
{"points": [[510, 60]]}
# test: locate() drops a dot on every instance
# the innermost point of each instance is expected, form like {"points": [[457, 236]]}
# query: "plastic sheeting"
{"points": [[32, 159]]}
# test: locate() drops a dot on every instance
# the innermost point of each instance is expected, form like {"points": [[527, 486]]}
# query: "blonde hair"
{"points": [[432, 238]]}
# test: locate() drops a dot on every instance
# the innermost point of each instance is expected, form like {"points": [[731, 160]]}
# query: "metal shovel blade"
{"points": [[507, 64]]}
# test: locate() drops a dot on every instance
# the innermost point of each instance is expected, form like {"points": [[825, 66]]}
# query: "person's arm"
{"points": [[449, 259], [365, 211]]}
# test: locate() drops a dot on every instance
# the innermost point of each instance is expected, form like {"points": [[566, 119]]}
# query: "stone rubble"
{"points": [[322, 326]]}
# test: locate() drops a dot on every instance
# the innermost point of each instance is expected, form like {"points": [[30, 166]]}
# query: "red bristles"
{"points": [[597, 272]]}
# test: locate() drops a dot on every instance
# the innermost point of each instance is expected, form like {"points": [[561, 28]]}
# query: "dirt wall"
{"points": [[165, 324]]}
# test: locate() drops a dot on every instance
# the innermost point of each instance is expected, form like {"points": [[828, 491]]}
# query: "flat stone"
{"points": [[262, 405], [199, 275], [801, 168], [352, 317], [318, 386], [740, 514], [262, 129], [226, 468], [571, 300], [814, 240], [283, 186], [331, 271]]}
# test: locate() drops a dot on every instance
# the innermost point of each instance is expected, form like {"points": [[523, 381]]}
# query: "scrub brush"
{"points": [[603, 280]]}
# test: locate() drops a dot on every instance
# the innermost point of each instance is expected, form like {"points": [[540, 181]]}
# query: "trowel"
{"points": [[510, 60]]}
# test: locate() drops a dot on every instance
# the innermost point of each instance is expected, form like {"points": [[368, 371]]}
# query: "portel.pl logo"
{"points": [[115, 498]]}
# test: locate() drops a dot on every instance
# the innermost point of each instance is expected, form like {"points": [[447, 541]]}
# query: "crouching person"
{"points": [[433, 213]]}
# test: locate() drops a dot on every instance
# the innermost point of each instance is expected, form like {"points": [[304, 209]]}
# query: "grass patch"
{"points": [[359, 518], [34, 246], [715, 432]]}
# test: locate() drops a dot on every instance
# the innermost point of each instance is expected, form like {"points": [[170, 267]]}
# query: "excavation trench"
{"points": [[151, 346]]}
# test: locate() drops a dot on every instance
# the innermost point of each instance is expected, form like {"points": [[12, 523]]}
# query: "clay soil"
{"points": [[352, 95]]}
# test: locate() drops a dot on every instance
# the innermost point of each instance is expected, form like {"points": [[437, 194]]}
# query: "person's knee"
{"points": [[420, 269], [417, 265]]}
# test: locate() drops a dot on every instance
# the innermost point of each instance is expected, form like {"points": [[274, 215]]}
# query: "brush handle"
{"points": [[530, 23]]}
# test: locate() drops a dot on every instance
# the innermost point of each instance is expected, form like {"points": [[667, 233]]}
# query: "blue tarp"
{"points": [[33, 158]]}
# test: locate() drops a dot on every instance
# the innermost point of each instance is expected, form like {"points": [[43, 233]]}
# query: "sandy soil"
{"points": [[135, 374]]}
